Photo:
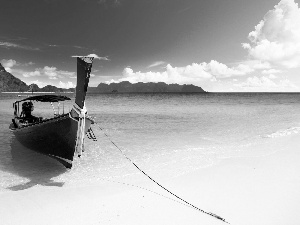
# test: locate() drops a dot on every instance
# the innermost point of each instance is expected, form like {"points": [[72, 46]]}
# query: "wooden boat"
{"points": [[62, 136]]}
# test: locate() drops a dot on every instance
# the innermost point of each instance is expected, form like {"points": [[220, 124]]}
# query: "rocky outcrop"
{"points": [[10, 83], [2, 68]]}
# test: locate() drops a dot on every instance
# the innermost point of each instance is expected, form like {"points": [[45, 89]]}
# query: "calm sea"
{"points": [[165, 134]]}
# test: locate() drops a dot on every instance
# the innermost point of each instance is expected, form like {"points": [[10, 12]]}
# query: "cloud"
{"points": [[39, 83], [274, 45], [66, 46], [80, 47], [94, 56], [8, 45], [272, 76], [110, 3], [28, 64], [32, 74], [266, 84], [258, 64], [182, 75], [194, 73], [50, 72], [8, 64], [220, 70], [60, 84], [258, 82], [157, 63], [276, 38], [13, 45], [98, 57], [66, 85], [271, 71]]}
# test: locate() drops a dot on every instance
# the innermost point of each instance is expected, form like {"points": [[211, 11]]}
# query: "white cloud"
{"points": [[217, 69], [13, 45], [181, 75], [271, 71], [28, 64], [274, 46], [8, 63], [220, 70], [50, 72], [276, 39], [259, 65], [32, 74], [272, 76], [98, 57], [68, 84], [288, 84], [258, 82], [266, 84], [190, 74], [8, 44], [39, 83], [60, 84], [157, 63], [95, 57], [107, 3]]}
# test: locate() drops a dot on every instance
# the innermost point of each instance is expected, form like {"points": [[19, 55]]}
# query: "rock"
{"points": [[10, 83]]}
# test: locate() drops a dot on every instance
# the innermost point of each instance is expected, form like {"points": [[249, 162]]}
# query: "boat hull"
{"points": [[55, 137]]}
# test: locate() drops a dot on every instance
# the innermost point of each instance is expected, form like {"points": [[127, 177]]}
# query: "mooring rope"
{"points": [[186, 202], [136, 186]]}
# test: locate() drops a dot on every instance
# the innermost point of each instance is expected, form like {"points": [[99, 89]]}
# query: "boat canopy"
{"points": [[45, 98]]}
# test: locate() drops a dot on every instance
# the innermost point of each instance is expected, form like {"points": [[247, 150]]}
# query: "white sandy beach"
{"points": [[245, 191]]}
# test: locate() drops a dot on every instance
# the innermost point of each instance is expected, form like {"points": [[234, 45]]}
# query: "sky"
{"points": [[220, 45]]}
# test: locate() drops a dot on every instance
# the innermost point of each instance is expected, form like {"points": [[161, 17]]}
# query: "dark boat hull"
{"points": [[55, 137]]}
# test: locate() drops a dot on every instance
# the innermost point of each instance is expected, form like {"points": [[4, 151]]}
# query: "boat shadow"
{"points": [[38, 168]]}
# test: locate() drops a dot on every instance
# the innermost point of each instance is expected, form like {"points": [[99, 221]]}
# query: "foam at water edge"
{"points": [[282, 133]]}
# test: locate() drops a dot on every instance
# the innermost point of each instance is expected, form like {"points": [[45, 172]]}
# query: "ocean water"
{"points": [[166, 135]]}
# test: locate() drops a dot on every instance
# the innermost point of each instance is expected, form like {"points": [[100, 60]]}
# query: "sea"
{"points": [[166, 134]]}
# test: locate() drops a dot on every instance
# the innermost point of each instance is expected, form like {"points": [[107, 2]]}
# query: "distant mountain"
{"points": [[9, 83], [126, 86], [49, 88]]}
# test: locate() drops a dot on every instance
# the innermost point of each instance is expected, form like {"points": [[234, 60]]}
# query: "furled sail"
{"points": [[84, 66]]}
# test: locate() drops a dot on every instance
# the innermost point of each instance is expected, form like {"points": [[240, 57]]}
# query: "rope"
{"points": [[136, 186], [186, 202]]}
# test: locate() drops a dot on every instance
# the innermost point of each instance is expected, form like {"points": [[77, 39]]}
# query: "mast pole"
{"points": [[84, 66]]}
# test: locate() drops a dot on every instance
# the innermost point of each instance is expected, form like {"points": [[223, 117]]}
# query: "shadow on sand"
{"points": [[38, 168]]}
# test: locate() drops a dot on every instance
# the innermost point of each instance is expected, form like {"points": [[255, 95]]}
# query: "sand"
{"points": [[245, 191]]}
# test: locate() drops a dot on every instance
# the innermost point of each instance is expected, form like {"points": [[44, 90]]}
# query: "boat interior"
{"points": [[23, 110]]}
